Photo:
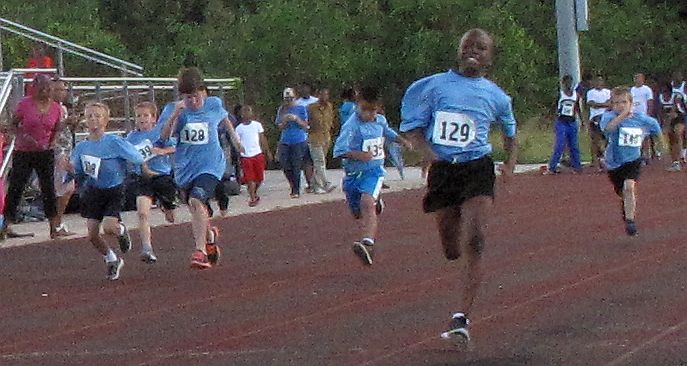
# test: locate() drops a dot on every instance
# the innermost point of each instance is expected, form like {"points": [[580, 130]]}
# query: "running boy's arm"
{"points": [[127, 151], [510, 143], [171, 124], [232, 134], [392, 135], [342, 147], [612, 125]]}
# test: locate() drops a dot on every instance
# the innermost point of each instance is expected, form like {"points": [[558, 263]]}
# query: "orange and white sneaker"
{"points": [[211, 246], [199, 260]]}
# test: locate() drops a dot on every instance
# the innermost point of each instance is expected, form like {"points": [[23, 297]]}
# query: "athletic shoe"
{"points": [[295, 195], [675, 167], [364, 251], [549, 172], [148, 256], [212, 248], [458, 329], [199, 260], [379, 207], [630, 228], [330, 188], [319, 191], [124, 240], [114, 268]]}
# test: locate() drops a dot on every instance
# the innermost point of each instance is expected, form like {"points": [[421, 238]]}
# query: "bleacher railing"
{"points": [[62, 46], [5, 93]]}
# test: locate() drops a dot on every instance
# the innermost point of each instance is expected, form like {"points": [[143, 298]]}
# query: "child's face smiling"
{"points": [[144, 119]]}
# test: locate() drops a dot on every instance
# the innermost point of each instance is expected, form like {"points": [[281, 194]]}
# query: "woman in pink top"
{"points": [[36, 123]]}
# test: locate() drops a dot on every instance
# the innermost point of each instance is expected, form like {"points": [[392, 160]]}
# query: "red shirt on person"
{"points": [[36, 129]]}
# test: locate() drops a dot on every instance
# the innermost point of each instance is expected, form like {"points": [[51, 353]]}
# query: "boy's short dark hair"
{"points": [[149, 106], [369, 94], [190, 80]]}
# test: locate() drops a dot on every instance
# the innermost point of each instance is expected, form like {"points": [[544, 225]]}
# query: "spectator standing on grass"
{"points": [[322, 120], [566, 129], [671, 114], [598, 100], [306, 99], [643, 103]]}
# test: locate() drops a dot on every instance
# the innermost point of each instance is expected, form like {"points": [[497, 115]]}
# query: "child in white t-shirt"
{"points": [[252, 137]]}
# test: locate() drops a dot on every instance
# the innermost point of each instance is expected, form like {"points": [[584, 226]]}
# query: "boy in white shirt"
{"points": [[251, 135], [598, 101]]}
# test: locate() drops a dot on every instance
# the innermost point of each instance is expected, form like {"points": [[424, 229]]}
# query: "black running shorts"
{"points": [[160, 188], [626, 171], [450, 184], [97, 203]]}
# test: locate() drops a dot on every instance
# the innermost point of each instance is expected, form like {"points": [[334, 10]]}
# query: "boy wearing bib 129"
{"points": [[361, 144], [625, 132]]}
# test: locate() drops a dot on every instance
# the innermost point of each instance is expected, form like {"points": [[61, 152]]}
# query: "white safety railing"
{"points": [[5, 93], [62, 45]]}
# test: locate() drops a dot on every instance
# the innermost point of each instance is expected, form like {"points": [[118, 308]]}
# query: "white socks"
{"points": [[110, 256]]}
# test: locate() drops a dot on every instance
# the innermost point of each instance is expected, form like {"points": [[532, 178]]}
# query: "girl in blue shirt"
{"points": [[361, 144], [100, 163], [625, 132]]}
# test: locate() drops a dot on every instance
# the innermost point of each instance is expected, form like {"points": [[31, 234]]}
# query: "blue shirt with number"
{"points": [[625, 141], [358, 135], [455, 113], [293, 133], [103, 162], [198, 149], [144, 141]]}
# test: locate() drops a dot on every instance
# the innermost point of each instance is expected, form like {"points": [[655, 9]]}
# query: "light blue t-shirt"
{"points": [[198, 149], [455, 113], [103, 162], [357, 135], [293, 133], [144, 141], [346, 110], [625, 142]]}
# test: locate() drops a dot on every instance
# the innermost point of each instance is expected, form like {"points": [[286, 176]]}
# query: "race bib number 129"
{"points": [[195, 133], [453, 129], [630, 137]]}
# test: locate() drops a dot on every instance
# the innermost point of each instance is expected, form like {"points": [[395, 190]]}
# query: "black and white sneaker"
{"points": [[379, 207], [124, 240], [363, 249], [148, 256], [630, 228], [458, 329], [114, 268]]}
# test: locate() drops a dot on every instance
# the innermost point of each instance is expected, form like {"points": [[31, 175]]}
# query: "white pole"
{"points": [[568, 40]]}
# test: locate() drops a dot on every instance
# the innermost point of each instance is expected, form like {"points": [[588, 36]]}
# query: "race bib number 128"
{"points": [[453, 129], [195, 133]]}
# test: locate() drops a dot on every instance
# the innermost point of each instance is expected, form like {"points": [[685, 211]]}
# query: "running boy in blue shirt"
{"points": [[153, 180], [625, 132], [447, 117], [199, 159], [100, 163], [361, 144]]}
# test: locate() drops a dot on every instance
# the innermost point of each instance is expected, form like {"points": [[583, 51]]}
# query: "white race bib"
{"points": [[196, 133], [568, 108], [375, 147], [90, 165], [145, 148], [453, 129], [630, 136]]}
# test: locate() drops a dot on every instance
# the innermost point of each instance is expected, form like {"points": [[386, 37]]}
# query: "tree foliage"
{"points": [[386, 43]]}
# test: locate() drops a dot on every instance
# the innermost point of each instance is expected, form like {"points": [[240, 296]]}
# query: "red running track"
{"points": [[562, 285]]}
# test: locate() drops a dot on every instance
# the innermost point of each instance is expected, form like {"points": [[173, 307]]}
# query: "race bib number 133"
{"points": [[453, 129], [375, 147]]}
